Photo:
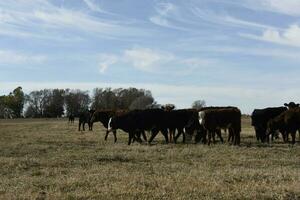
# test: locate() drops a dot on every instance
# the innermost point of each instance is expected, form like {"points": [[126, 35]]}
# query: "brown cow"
{"points": [[287, 122], [213, 120]]}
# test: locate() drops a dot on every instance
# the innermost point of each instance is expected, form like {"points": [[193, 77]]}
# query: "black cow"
{"points": [[137, 121], [104, 116], [260, 118], [85, 117], [71, 119], [213, 120], [178, 120]]}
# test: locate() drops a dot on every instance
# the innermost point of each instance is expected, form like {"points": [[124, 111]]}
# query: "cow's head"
{"points": [[168, 107], [292, 105]]}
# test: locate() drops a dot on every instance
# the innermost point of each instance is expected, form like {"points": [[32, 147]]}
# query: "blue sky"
{"points": [[243, 53]]}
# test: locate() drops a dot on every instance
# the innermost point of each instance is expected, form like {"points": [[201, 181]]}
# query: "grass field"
{"points": [[49, 159]]}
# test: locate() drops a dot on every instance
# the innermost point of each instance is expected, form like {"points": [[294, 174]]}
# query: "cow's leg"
{"points": [[293, 133], [199, 135], [265, 137], [90, 126], [283, 135], [83, 126], [106, 135], [144, 136], [153, 134], [218, 132], [209, 137], [230, 136], [165, 134], [257, 134], [205, 134], [213, 135], [179, 132], [79, 126], [130, 137], [183, 136], [115, 135], [237, 137], [137, 137], [171, 135]]}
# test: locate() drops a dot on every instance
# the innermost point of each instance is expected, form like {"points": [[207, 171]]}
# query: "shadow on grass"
{"points": [[113, 159]]}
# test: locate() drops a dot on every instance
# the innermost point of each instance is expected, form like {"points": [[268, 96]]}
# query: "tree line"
{"points": [[49, 103], [60, 102]]}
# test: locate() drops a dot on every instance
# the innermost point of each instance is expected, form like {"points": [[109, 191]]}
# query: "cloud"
{"points": [[156, 61], [12, 57], [41, 19], [289, 36], [165, 8], [226, 20], [167, 14], [147, 59], [105, 60], [93, 6], [288, 7]]}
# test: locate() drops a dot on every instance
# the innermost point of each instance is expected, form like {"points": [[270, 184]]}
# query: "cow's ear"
{"points": [[297, 104], [286, 104]]}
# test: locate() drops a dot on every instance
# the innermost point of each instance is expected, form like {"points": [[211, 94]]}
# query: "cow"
{"points": [[85, 117], [202, 132], [168, 108], [213, 120], [104, 116], [293, 105], [260, 118], [178, 120], [137, 121], [71, 118], [287, 123]]}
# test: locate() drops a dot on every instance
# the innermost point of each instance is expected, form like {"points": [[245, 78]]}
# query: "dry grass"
{"points": [[48, 159]]}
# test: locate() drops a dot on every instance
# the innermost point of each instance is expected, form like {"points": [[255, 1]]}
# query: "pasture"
{"points": [[49, 159]]}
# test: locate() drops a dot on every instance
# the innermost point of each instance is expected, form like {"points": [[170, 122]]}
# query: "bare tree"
{"points": [[198, 104]]}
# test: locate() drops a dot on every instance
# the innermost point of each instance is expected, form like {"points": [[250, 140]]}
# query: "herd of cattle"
{"points": [[204, 123]]}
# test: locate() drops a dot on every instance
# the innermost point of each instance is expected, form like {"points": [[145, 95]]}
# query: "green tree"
{"points": [[15, 102]]}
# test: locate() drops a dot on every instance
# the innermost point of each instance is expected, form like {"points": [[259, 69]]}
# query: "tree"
{"points": [[15, 102], [142, 103], [76, 101], [55, 106], [120, 98], [38, 101], [5, 112], [198, 104], [104, 99]]}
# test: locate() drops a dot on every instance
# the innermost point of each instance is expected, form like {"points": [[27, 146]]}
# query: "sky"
{"points": [[243, 53]]}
